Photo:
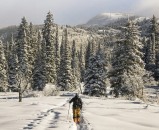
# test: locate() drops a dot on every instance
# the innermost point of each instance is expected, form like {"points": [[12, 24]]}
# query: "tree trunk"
{"points": [[142, 92], [20, 96], [80, 88]]}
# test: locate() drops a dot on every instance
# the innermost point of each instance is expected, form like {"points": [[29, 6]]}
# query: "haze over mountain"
{"points": [[107, 18]]}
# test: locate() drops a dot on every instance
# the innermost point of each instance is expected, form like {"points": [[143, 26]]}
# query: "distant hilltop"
{"points": [[107, 18]]}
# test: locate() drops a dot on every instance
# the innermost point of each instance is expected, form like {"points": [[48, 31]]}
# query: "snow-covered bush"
{"points": [[50, 90], [30, 93]]}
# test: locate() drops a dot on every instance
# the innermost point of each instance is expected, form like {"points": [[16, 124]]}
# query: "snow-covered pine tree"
{"points": [[106, 53], [74, 51], [62, 47], [88, 54], [117, 70], [90, 50], [145, 48], [65, 77], [62, 52], [154, 28], [49, 39], [95, 75], [12, 65], [57, 52], [149, 59], [81, 64], [6, 49], [150, 54], [39, 77], [75, 65], [136, 70], [154, 33], [93, 46], [22, 47], [3, 69], [128, 66], [24, 74], [32, 47]]}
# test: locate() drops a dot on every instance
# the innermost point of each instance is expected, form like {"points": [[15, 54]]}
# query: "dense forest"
{"points": [[127, 61]]}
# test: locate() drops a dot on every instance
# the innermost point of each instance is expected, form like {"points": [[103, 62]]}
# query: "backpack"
{"points": [[77, 103]]}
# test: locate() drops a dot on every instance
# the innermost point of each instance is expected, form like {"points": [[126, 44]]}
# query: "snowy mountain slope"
{"points": [[53, 113], [111, 23], [107, 18], [80, 36]]}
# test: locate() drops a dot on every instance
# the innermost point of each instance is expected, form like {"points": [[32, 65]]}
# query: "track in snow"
{"points": [[55, 119], [84, 125]]}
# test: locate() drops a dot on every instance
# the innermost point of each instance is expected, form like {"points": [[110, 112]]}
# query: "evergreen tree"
{"points": [[49, 39], [154, 28], [117, 71], [12, 65], [81, 64], [39, 77], [32, 47], [73, 61], [87, 55], [6, 49], [62, 49], [3, 69], [90, 50], [150, 54], [154, 34], [22, 47], [95, 75], [93, 47], [128, 66], [66, 77], [57, 52], [75, 64], [145, 49]]}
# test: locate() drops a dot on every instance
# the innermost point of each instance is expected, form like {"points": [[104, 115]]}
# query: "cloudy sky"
{"points": [[71, 12]]}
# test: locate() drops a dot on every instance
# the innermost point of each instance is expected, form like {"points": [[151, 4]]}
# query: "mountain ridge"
{"points": [[108, 18]]}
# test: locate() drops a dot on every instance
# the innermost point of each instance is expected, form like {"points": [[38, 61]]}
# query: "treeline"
{"points": [[135, 59], [34, 58], [131, 61]]}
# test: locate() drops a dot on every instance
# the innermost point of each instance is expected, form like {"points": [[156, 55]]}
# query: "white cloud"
{"points": [[147, 7], [70, 11]]}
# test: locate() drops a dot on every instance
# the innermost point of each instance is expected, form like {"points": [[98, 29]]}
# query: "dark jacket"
{"points": [[77, 102]]}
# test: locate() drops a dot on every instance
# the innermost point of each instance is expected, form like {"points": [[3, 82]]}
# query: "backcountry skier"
{"points": [[77, 106]]}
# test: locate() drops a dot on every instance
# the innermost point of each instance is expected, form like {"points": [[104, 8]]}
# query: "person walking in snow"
{"points": [[77, 106]]}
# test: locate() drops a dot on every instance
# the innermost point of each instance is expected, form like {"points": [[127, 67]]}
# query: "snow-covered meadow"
{"points": [[53, 113]]}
